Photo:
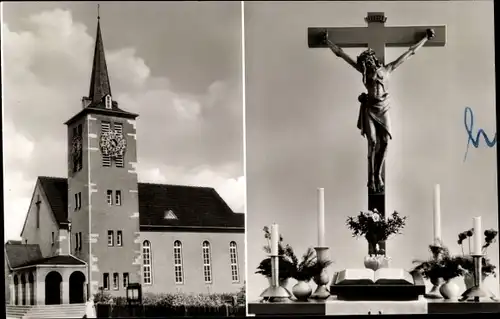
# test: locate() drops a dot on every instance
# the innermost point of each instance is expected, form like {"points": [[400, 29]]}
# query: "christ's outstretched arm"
{"points": [[411, 51], [339, 52]]}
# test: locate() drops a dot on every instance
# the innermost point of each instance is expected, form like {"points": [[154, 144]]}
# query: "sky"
{"points": [[178, 65], [301, 134]]}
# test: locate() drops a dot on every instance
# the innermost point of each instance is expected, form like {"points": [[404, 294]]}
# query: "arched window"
{"points": [[233, 258], [178, 271], [107, 101], [207, 267], [146, 262]]}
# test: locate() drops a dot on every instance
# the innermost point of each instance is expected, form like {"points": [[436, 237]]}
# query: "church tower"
{"points": [[103, 205]]}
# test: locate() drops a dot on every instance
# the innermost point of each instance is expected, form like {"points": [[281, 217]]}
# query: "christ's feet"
{"points": [[371, 185], [379, 184]]}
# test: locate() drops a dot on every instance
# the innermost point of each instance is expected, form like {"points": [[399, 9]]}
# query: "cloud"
{"points": [[196, 138]]}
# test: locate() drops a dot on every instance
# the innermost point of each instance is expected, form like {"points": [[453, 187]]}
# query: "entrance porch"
{"points": [[50, 281]]}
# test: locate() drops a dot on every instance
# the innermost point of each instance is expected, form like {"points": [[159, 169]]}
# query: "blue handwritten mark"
{"points": [[469, 127]]}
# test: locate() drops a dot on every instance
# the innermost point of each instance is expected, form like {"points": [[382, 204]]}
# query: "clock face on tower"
{"points": [[112, 144], [76, 148]]}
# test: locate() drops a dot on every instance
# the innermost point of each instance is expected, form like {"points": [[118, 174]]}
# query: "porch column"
{"points": [[11, 290], [65, 291], [39, 290]]}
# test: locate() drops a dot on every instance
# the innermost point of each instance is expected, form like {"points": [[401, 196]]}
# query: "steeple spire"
{"points": [[99, 81]]}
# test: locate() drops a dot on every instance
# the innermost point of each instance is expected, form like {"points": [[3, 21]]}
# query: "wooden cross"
{"points": [[377, 37], [37, 203]]}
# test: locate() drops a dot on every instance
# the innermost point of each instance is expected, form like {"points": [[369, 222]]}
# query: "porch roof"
{"points": [[59, 260]]}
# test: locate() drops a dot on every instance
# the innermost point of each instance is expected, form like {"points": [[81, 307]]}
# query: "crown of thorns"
{"points": [[367, 54]]}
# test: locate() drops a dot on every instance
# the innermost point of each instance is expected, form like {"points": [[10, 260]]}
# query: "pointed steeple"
{"points": [[99, 81]]}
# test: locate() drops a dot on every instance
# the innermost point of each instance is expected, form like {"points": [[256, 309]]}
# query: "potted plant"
{"points": [[303, 272], [467, 261], [287, 260], [376, 230], [432, 269]]}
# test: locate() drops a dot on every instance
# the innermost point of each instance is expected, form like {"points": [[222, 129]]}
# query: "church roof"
{"points": [[19, 254], [194, 207]]}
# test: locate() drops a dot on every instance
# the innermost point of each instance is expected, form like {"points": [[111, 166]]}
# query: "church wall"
{"points": [[48, 224], [163, 279], [124, 217], [77, 183]]}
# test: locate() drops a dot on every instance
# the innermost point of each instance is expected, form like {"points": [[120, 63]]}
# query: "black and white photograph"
{"points": [[123, 159], [371, 157]]}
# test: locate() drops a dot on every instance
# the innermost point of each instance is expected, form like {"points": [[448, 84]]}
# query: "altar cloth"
{"points": [[341, 307]]}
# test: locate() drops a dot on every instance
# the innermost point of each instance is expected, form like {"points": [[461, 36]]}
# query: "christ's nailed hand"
{"points": [[430, 34], [325, 36]]}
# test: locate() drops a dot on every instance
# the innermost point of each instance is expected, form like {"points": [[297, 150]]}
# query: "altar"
{"points": [[332, 306]]}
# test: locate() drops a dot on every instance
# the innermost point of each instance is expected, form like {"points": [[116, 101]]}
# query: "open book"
{"points": [[365, 276]]}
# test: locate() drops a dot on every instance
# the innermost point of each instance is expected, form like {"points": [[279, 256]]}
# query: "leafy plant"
{"points": [[433, 268], [305, 270], [375, 228]]}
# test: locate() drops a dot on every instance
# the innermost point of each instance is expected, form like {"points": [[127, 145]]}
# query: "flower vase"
{"points": [[434, 292], [450, 290], [376, 262], [302, 290]]}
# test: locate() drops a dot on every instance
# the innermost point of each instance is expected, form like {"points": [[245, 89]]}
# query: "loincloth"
{"points": [[374, 111]]}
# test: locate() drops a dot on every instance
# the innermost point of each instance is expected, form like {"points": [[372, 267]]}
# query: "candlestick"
{"points": [[275, 293], [476, 293], [437, 214], [275, 237], [321, 279], [477, 243], [321, 217]]}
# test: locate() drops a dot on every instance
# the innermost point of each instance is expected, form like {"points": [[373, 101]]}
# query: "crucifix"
{"points": [[37, 203], [373, 120]]}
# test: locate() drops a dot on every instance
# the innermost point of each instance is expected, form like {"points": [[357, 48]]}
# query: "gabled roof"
{"points": [[18, 254], [56, 190], [194, 207]]}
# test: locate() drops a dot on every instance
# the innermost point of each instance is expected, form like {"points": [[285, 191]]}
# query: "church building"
{"points": [[99, 229]]}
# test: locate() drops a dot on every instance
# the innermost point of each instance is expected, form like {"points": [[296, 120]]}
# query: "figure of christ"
{"points": [[373, 120]]}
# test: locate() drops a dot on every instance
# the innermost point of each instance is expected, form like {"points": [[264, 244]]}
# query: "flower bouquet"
{"points": [[376, 230]]}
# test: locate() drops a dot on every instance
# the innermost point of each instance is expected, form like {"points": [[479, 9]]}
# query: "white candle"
{"points": [[477, 243], [321, 217], [437, 214], [275, 237]]}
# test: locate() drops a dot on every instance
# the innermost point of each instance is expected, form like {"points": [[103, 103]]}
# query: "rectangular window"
{"points": [[125, 279], [105, 281], [109, 197], [106, 127], [75, 131], [110, 238], [80, 241], [116, 279], [76, 242], [53, 238], [118, 198], [78, 201], [79, 131], [119, 238]]}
